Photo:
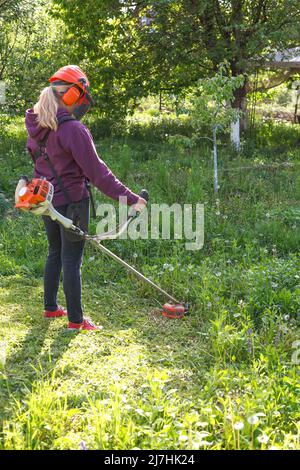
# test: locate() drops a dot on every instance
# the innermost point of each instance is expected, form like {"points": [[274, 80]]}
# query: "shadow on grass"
{"points": [[30, 364]]}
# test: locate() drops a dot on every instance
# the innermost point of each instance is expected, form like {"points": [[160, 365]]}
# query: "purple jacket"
{"points": [[72, 152]]}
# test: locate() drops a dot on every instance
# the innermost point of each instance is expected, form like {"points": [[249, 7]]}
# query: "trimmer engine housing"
{"points": [[36, 192]]}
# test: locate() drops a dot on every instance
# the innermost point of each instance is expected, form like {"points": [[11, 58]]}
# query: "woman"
{"points": [[54, 130]]}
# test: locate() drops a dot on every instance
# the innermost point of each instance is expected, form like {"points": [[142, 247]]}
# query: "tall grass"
{"points": [[221, 378]]}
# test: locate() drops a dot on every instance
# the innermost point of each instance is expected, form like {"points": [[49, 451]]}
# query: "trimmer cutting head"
{"points": [[174, 310]]}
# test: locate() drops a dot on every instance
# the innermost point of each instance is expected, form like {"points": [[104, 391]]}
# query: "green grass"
{"points": [[221, 378]]}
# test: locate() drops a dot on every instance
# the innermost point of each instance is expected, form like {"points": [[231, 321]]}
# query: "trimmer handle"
{"points": [[132, 213], [144, 194]]}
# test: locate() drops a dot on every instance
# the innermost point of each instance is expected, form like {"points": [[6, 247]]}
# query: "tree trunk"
{"points": [[240, 102], [160, 101]]}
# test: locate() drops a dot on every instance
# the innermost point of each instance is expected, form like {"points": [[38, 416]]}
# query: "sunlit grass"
{"points": [[221, 378]]}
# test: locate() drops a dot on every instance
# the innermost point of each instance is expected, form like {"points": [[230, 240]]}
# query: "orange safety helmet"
{"points": [[78, 93]]}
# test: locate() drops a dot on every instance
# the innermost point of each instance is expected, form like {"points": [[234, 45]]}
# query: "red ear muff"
{"points": [[71, 96]]}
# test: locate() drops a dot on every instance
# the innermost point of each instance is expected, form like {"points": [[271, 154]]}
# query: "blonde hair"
{"points": [[47, 106], [46, 109]]}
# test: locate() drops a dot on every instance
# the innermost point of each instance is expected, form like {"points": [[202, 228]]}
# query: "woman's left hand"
{"points": [[140, 205]]}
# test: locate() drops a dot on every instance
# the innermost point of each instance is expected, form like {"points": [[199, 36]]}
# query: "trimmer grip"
{"points": [[144, 194], [64, 221]]}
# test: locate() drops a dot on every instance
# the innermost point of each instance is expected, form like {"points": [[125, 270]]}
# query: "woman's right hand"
{"points": [[21, 184]]}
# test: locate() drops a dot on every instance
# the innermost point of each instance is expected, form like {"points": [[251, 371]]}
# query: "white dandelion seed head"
{"points": [[253, 420], [239, 425], [263, 439]]}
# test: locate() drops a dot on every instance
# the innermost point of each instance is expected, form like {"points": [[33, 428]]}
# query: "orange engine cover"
{"points": [[36, 192]]}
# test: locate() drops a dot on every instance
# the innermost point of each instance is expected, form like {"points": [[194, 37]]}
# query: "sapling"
{"points": [[210, 109]]}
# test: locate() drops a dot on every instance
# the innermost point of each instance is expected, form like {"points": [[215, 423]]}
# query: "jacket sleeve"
{"points": [[80, 143]]}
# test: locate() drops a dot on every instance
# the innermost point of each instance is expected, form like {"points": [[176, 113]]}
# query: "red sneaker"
{"points": [[60, 312], [85, 325]]}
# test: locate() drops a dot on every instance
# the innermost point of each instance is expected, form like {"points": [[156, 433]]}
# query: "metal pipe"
{"points": [[130, 268], [215, 152]]}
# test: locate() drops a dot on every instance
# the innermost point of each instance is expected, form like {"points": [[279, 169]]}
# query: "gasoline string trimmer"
{"points": [[36, 196]]}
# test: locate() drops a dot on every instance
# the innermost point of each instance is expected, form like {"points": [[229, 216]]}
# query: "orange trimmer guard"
{"points": [[174, 310]]}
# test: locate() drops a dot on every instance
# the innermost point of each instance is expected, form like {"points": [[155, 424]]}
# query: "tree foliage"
{"points": [[210, 107], [132, 48], [31, 49], [211, 100]]}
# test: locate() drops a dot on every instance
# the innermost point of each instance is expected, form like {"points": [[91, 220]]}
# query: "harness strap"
{"points": [[89, 188]]}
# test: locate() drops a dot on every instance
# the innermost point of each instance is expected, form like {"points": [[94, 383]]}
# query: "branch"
{"points": [[221, 23], [8, 51], [3, 2], [207, 23], [261, 9], [272, 83]]}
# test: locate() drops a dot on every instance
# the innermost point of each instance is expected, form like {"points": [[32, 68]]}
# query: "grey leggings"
{"points": [[65, 253]]}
